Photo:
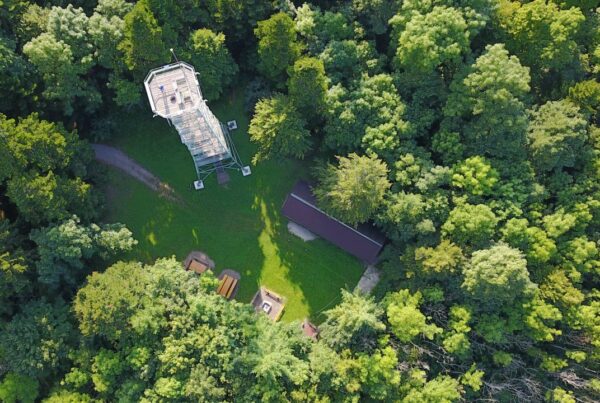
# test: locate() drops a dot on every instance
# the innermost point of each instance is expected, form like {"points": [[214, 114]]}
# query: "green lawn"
{"points": [[238, 226]]}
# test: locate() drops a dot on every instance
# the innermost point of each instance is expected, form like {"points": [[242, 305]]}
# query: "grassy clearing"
{"points": [[239, 226]]}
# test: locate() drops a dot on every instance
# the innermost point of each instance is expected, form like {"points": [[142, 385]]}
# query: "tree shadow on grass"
{"points": [[315, 270]]}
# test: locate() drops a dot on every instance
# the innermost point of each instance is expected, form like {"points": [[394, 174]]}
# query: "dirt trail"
{"points": [[114, 157]]}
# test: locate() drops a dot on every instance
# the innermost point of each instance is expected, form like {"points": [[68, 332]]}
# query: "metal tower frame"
{"points": [[174, 93]]}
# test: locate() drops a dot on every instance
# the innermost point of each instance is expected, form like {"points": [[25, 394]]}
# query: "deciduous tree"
{"points": [[143, 45], [497, 277], [487, 103], [557, 134], [278, 129], [353, 191], [211, 58], [278, 47], [472, 225], [307, 87]]}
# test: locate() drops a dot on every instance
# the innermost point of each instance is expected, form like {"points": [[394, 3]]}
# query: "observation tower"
{"points": [[174, 94]]}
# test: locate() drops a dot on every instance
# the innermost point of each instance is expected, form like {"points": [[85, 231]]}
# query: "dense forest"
{"points": [[466, 130]]}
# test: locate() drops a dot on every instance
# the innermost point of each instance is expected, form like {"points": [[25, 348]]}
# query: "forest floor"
{"points": [[238, 225]]}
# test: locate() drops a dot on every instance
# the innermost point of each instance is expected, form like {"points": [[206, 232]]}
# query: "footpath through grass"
{"points": [[239, 226]]}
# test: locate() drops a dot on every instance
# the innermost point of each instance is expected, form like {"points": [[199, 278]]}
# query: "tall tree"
{"points": [[353, 190], [62, 72], [105, 29], [487, 102], [475, 176], [346, 60], [307, 87], [541, 35], [557, 134], [278, 47], [64, 248], [353, 322], [497, 277], [438, 38], [44, 167], [469, 224], [371, 116], [143, 45], [211, 58], [278, 129], [18, 78], [37, 340]]}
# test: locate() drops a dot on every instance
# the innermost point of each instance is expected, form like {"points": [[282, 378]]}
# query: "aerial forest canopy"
{"points": [[466, 131]]}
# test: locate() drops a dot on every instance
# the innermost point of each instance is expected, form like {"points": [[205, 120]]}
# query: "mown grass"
{"points": [[239, 226]]}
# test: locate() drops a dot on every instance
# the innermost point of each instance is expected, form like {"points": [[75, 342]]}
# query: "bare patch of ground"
{"points": [[300, 232], [114, 157], [369, 280]]}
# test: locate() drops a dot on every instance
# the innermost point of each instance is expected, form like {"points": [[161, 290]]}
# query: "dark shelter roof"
{"points": [[300, 206]]}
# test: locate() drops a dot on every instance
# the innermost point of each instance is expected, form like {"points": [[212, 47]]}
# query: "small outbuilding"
{"points": [[309, 329], [267, 302], [364, 241]]}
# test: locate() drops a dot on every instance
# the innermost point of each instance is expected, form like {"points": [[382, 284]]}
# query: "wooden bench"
{"points": [[197, 266], [226, 286]]}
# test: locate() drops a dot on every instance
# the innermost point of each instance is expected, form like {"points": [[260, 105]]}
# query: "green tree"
{"points": [[442, 389], [105, 29], [486, 103], [48, 198], [62, 72], [32, 22], [541, 35], [16, 287], [405, 318], [469, 224], [371, 116], [353, 322], [534, 241], [318, 28], [346, 60], [272, 359], [557, 134], [307, 87], [475, 176], [444, 259], [106, 304], [497, 277], [37, 340], [213, 62], [39, 145], [354, 190], [586, 95], [277, 47], [63, 249], [456, 340], [278, 129], [18, 78], [438, 38], [70, 26], [380, 377], [375, 14], [65, 396], [18, 388], [143, 45]]}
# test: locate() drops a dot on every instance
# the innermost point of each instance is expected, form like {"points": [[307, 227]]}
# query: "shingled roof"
{"points": [[300, 206]]}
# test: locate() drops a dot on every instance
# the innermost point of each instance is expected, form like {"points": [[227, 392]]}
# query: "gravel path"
{"points": [[114, 157], [369, 280]]}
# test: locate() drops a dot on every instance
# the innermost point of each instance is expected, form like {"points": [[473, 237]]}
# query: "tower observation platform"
{"points": [[174, 94]]}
